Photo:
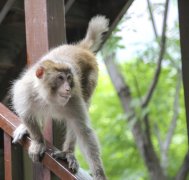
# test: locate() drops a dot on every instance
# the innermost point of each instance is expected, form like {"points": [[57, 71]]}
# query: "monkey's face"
{"points": [[61, 84], [58, 81]]}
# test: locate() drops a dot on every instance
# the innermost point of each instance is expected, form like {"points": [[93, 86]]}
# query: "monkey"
{"points": [[60, 86]]}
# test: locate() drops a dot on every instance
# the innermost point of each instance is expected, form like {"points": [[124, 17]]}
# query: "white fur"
{"points": [[18, 134], [97, 26], [36, 149]]}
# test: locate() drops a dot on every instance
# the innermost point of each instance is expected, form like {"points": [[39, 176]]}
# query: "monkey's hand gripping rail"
{"points": [[9, 122]]}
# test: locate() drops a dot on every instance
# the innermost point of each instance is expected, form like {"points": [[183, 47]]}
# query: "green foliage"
{"points": [[113, 43], [118, 147], [120, 155]]}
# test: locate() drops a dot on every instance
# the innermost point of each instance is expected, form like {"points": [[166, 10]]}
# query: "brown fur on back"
{"points": [[85, 65], [89, 72]]}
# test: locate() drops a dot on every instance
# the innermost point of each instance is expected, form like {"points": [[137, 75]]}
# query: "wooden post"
{"points": [[183, 7], [45, 28], [7, 157]]}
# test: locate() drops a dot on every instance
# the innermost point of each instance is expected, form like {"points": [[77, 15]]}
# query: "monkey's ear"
{"points": [[39, 72]]}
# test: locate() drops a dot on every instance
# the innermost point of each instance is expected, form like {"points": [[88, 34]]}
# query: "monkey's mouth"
{"points": [[65, 96]]}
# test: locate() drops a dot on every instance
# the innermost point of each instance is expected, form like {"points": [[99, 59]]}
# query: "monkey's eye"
{"points": [[69, 77], [60, 77]]}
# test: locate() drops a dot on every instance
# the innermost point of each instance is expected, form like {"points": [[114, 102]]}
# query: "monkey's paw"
{"points": [[19, 133], [36, 151], [69, 157], [99, 174]]}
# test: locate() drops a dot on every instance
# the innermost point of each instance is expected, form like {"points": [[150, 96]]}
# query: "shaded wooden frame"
{"points": [[183, 7]]}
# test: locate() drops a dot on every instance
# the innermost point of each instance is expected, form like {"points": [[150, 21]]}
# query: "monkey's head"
{"points": [[57, 79]]}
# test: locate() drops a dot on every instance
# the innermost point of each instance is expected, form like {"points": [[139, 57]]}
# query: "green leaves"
{"points": [[119, 151], [120, 155], [113, 43]]}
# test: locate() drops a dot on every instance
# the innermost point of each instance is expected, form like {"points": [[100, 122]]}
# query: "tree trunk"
{"points": [[183, 172], [142, 138]]}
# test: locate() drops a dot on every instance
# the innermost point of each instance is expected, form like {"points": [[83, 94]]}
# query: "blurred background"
{"points": [[138, 108]]}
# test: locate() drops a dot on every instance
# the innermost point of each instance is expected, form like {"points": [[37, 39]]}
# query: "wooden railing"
{"points": [[8, 123]]}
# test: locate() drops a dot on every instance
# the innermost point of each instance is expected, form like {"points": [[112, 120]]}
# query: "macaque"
{"points": [[60, 86]]}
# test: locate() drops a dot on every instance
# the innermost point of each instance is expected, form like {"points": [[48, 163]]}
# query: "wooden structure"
{"points": [[183, 7], [48, 24], [8, 123], [77, 15]]}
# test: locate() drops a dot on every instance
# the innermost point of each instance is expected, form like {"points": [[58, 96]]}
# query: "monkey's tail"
{"points": [[97, 26]]}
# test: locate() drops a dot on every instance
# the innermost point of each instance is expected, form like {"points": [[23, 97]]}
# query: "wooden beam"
{"points": [[183, 7], [5, 66], [119, 9], [68, 5], [6, 9], [118, 17]]}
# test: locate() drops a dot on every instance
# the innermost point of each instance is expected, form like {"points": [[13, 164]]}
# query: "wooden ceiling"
{"points": [[12, 30]]}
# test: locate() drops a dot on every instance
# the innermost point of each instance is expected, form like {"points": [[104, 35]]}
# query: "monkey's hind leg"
{"points": [[68, 151]]}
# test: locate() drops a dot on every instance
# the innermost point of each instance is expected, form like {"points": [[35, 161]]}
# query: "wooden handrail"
{"points": [[8, 123]]}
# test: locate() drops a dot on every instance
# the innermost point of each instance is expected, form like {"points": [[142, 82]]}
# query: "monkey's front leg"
{"points": [[37, 146], [68, 150], [19, 133]]}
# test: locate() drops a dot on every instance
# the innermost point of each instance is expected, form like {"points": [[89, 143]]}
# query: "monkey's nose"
{"points": [[68, 89]]}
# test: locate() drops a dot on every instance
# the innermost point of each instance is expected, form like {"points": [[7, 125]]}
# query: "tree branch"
{"points": [[137, 87], [143, 141], [119, 83], [172, 126], [184, 170], [152, 18], [175, 114], [158, 68], [157, 132]]}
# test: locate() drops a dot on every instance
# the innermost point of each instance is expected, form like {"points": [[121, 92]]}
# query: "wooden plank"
{"points": [[68, 5], [2, 171], [183, 7], [9, 122], [45, 28], [7, 157], [6, 9]]}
